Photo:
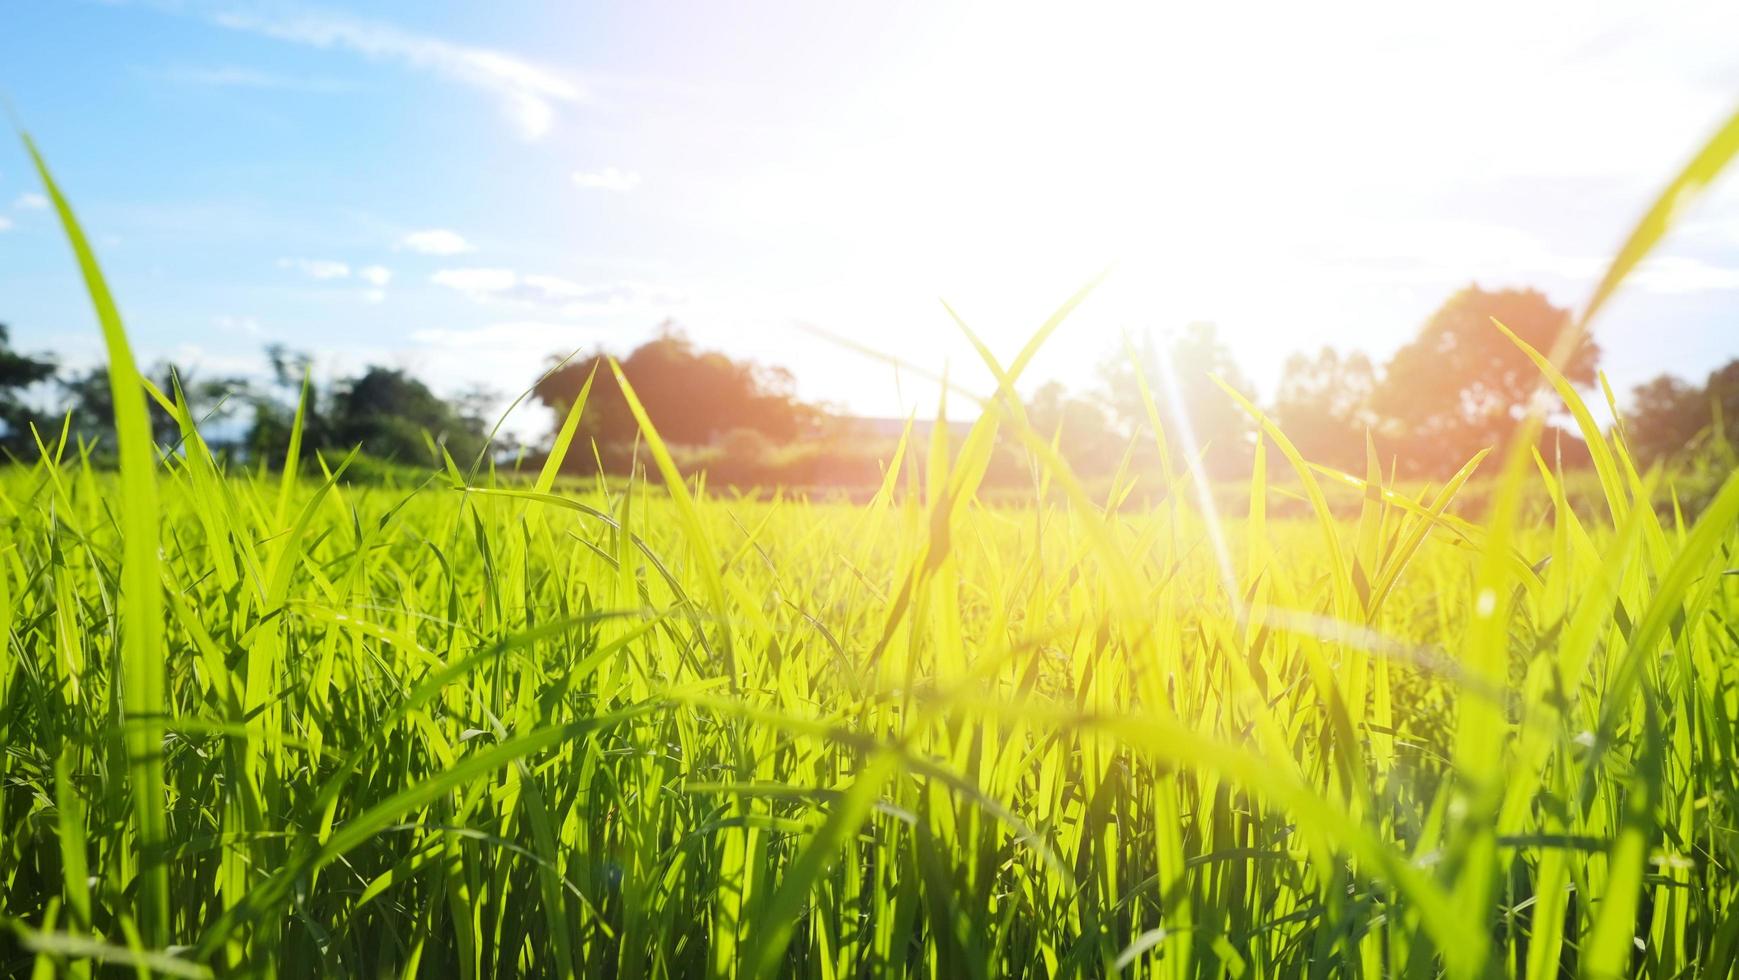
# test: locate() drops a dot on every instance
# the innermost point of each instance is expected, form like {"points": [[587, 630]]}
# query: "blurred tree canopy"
{"points": [[1461, 386], [391, 414], [692, 395], [1081, 427], [1670, 417], [89, 404], [394, 415], [1324, 406], [18, 371], [1222, 430]]}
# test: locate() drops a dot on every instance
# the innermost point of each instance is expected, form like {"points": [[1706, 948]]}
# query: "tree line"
{"points": [[1457, 386], [391, 413]]}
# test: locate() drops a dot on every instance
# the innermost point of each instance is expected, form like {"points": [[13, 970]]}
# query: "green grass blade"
{"points": [[558, 450], [1690, 182], [141, 658]]}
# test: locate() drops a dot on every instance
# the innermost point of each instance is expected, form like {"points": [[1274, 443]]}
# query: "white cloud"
{"points": [[528, 93], [607, 179], [436, 241], [550, 289], [317, 268], [375, 275], [233, 322], [477, 283], [5, 223], [374, 296], [30, 201]]}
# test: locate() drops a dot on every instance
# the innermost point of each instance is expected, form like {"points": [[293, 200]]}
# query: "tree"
{"points": [[388, 413], [276, 404], [1670, 417], [1323, 405], [1221, 428], [693, 396], [1667, 413], [1721, 395], [90, 402], [1083, 432], [18, 372], [1461, 385]]}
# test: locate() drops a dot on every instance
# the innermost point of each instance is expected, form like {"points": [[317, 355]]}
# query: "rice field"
{"points": [[268, 722]]}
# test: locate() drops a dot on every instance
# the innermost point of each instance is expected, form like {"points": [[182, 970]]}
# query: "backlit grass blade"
{"points": [[1313, 491], [1693, 566], [141, 659], [293, 451], [1598, 448], [1686, 187], [702, 552], [74, 863], [501, 420], [558, 450]]}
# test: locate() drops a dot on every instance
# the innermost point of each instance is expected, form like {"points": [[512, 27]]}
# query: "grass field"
{"points": [[272, 723]]}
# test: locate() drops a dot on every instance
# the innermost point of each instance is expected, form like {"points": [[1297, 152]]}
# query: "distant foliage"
{"points": [[1221, 430], [1082, 427], [88, 405], [1324, 405], [18, 372], [694, 395], [391, 414], [1460, 386], [1671, 418]]}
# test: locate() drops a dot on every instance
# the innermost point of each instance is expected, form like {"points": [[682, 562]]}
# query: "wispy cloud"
{"points": [[5, 223], [553, 294], [607, 179], [486, 283], [528, 93], [477, 283], [375, 275], [436, 241], [317, 268], [230, 76], [30, 201]]}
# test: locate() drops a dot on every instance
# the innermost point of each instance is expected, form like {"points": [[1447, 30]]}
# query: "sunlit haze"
{"points": [[466, 189]]}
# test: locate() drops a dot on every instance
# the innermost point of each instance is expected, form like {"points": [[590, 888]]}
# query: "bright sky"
{"points": [[465, 188]]}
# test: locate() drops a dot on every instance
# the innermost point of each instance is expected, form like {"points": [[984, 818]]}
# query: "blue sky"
{"points": [[466, 188]]}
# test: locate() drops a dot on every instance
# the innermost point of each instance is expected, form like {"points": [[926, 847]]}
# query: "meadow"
{"points": [[266, 721]]}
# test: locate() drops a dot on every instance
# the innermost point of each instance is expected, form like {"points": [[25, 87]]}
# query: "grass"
{"points": [[478, 726]]}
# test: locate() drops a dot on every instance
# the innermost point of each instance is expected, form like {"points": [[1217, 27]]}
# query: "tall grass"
{"points": [[483, 726]]}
